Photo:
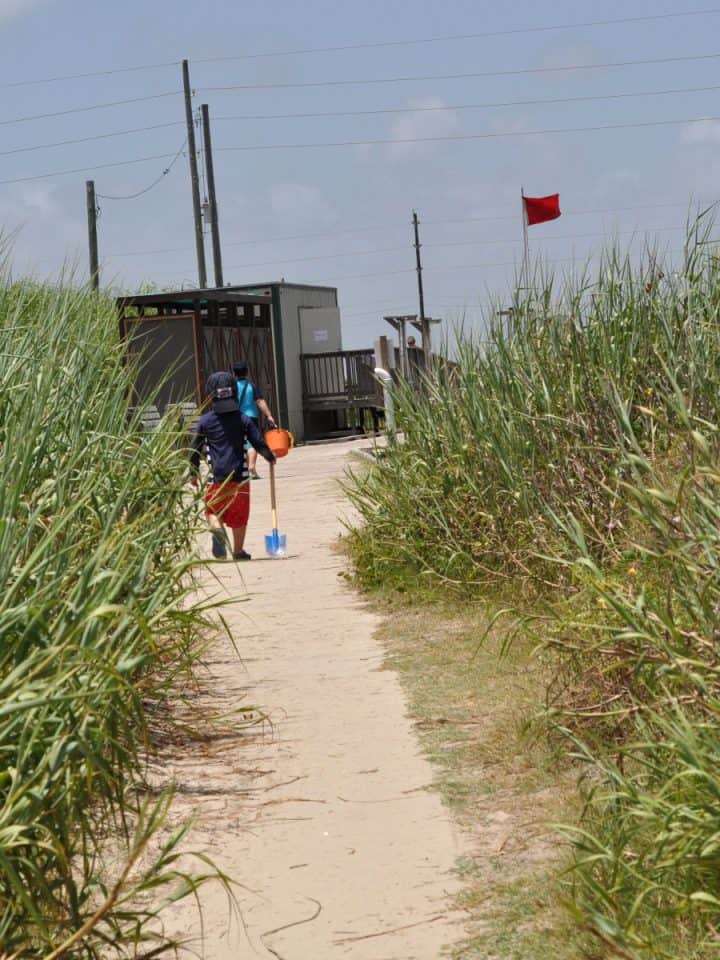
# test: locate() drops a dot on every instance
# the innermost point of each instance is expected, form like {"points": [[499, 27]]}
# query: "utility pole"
{"points": [[92, 234], [194, 179], [424, 326], [212, 199]]}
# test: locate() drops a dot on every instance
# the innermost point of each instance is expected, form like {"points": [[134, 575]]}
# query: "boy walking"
{"points": [[252, 404], [222, 432]]}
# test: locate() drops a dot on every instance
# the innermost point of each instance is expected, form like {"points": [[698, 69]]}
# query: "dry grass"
{"points": [[502, 781]]}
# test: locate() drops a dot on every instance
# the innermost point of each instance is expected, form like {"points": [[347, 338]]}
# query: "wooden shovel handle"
{"points": [[273, 502]]}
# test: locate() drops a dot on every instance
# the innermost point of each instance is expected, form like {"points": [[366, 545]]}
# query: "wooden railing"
{"points": [[340, 380]]}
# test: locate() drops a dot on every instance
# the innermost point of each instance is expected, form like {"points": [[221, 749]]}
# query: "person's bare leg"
{"points": [[219, 537], [238, 538], [252, 460]]}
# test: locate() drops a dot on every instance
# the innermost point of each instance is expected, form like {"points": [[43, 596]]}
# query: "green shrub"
{"points": [[97, 621], [571, 466]]}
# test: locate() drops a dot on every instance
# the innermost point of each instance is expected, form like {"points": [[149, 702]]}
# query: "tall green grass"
{"points": [[97, 626], [570, 467]]}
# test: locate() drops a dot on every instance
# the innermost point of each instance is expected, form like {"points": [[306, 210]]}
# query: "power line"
{"points": [[156, 181], [473, 266], [469, 136], [441, 243], [388, 227], [97, 166], [357, 113], [175, 93], [466, 36], [570, 236], [469, 106], [98, 136], [93, 106], [88, 76], [328, 256], [464, 266], [479, 266], [458, 76], [568, 213], [447, 243], [363, 46]]}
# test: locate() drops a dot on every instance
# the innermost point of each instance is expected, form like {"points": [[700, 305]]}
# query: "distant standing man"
{"points": [[252, 404], [222, 433]]}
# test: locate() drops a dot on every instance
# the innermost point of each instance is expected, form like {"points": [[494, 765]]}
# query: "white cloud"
{"points": [[430, 121], [31, 201], [299, 200], [40, 199], [43, 231], [702, 131], [12, 9]]}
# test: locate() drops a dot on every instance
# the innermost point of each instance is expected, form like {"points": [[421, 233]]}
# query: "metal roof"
{"points": [[192, 297]]}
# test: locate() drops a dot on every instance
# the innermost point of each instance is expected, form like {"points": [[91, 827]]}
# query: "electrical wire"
{"points": [[321, 83], [570, 236], [469, 106], [568, 213], [156, 181], [99, 136], [358, 113], [387, 227], [88, 76], [97, 166], [93, 106], [469, 136], [458, 76], [438, 269], [325, 256], [364, 46], [450, 243], [466, 36], [469, 266]]}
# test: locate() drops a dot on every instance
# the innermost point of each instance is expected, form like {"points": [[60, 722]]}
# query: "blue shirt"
{"points": [[222, 435], [248, 393]]}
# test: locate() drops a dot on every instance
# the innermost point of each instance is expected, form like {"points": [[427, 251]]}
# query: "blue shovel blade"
{"points": [[276, 544]]}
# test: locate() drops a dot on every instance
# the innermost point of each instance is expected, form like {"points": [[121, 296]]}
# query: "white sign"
{"points": [[320, 336]]}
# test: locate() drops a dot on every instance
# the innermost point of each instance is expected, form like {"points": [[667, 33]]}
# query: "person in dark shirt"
{"points": [[222, 433]]}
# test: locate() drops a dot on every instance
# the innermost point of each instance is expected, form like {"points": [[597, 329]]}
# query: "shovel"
{"points": [[275, 543]]}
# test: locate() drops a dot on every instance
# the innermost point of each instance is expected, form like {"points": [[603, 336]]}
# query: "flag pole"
{"points": [[526, 247]]}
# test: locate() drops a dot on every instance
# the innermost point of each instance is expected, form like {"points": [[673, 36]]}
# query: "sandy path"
{"points": [[326, 814]]}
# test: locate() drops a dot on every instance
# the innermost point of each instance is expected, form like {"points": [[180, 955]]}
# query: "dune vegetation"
{"points": [[565, 470], [99, 631]]}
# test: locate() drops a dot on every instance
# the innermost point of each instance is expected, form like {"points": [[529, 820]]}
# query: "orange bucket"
{"points": [[280, 441]]}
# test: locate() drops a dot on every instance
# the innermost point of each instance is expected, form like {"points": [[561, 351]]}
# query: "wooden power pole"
{"points": [[212, 199], [194, 179], [92, 234], [424, 325]]}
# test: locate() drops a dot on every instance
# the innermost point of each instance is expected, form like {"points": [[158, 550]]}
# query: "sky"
{"points": [[310, 198]]}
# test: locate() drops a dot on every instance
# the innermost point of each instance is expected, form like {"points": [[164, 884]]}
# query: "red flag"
{"points": [[540, 209]]}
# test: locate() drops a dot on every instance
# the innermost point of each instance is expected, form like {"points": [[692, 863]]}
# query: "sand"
{"points": [[323, 814]]}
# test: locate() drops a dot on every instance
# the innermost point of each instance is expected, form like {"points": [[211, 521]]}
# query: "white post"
{"points": [[526, 247], [386, 380]]}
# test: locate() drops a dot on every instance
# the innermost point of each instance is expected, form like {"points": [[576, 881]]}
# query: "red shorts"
{"points": [[230, 502]]}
